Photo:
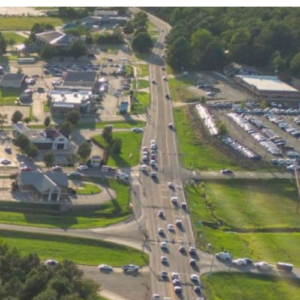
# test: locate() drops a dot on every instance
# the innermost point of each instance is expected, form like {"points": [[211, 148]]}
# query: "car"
{"points": [[239, 262], [46, 72], [210, 94], [184, 205], [177, 289], [25, 169], [74, 173], [153, 175], [51, 262], [153, 147], [165, 78], [163, 245], [178, 223], [152, 163], [31, 81], [130, 268], [8, 150], [192, 262], [197, 289], [145, 158], [104, 267], [174, 200], [122, 176], [163, 68], [143, 168], [171, 227], [192, 250], [5, 162], [160, 214], [175, 275], [167, 96], [145, 148], [153, 81], [226, 171], [170, 125], [176, 282], [153, 142], [262, 265], [160, 231], [82, 168], [171, 185], [224, 256], [164, 275], [156, 297], [137, 130], [163, 259], [248, 261], [194, 277], [22, 164], [56, 168], [110, 59]]}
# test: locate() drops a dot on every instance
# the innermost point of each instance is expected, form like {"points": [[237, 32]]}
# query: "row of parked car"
{"points": [[239, 147], [221, 104], [268, 110]]}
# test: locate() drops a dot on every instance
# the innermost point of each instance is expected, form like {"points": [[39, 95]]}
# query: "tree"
{"points": [[27, 120], [77, 49], [11, 42], [73, 117], [222, 128], [49, 51], [263, 104], [116, 146], [38, 28], [66, 128], [22, 141], [3, 44], [295, 64], [128, 28], [140, 20], [107, 134], [72, 158], [47, 122], [84, 150], [31, 151], [202, 100], [3, 119], [142, 42], [17, 116], [49, 158]]}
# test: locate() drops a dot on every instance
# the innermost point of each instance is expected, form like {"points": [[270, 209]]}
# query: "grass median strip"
{"points": [[117, 124], [143, 70], [140, 103], [80, 250]]}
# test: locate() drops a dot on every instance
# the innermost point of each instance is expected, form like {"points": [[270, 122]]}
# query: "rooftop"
{"points": [[80, 78], [13, 77], [54, 37], [67, 99], [267, 83]]}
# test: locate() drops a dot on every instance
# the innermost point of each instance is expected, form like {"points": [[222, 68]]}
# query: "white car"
{"points": [[143, 168], [152, 163], [74, 173], [171, 185], [163, 245], [195, 277], [156, 297], [104, 267], [152, 142], [165, 78], [224, 255], [6, 162], [262, 265], [177, 289], [137, 130], [239, 262], [160, 231], [170, 227], [82, 168], [175, 276], [174, 200], [56, 168], [145, 148], [153, 174]]}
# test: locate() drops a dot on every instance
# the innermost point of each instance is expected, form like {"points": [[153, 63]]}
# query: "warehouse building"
{"points": [[13, 80]]}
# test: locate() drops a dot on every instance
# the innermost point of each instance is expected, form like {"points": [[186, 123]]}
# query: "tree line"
{"points": [[210, 37]]}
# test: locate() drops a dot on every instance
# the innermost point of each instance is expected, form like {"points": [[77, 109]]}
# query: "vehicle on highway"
{"points": [[56, 168], [175, 275], [153, 175], [178, 223], [239, 262], [171, 227], [5, 162], [74, 173], [153, 142], [153, 81], [171, 185], [262, 265], [192, 262], [226, 171], [122, 176], [184, 205], [165, 78], [192, 250], [25, 169], [160, 214], [153, 147], [163, 259], [224, 255], [51, 262], [130, 268], [177, 289], [8, 150], [143, 168], [181, 249], [163, 245], [197, 289], [164, 275], [82, 168], [171, 126], [167, 96], [145, 158], [152, 163], [284, 266], [160, 231], [194, 277], [176, 282], [104, 267], [156, 297], [145, 148], [248, 261], [137, 130]]}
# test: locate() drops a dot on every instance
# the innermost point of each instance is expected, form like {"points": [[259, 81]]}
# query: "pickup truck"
{"points": [[130, 268]]}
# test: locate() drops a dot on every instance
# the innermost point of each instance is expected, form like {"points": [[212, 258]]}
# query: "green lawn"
{"points": [[87, 189], [178, 89], [231, 286], [79, 250], [196, 152], [151, 26], [45, 106], [140, 103], [117, 124], [143, 70], [19, 39], [129, 71], [111, 212], [26, 23], [31, 115], [143, 84], [8, 96], [131, 145]]}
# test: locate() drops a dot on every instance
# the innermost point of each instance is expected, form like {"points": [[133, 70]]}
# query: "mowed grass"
{"points": [[178, 89], [143, 84], [140, 103], [231, 286], [26, 23], [131, 145], [79, 250], [143, 70], [111, 212], [8, 96], [117, 124], [196, 153], [19, 39], [87, 189]]}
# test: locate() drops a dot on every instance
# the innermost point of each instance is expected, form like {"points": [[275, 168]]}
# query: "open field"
{"points": [[117, 124], [106, 214], [12, 35], [87, 189], [197, 153], [79, 250], [225, 286], [178, 89], [131, 144], [140, 103], [143, 84], [8, 96]]}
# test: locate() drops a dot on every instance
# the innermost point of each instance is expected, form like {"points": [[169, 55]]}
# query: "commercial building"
{"points": [[13, 80], [49, 138], [50, 186], [267, 87], [76, 79], [53, 38], [233, 69]]}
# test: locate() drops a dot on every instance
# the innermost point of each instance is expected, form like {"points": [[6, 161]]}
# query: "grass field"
{"points": [[197, 153], [45, 106], [143, 84], [140, 103], [151, 26], [143, 70], [79, 250], [117, 124], [131, 144], [87, 189], [178, 89], [111, 212], [8, 96], [225, 286], [129, 71], [12, 35], [26, 23]]}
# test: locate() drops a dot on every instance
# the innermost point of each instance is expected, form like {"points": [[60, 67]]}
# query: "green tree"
{"points": [[73, 117], [84, 150], [263, 104], [22, 141], [66, 128], [27, 120], [107, 134], [38, 28], [3, 44], [17, 116], [31, 151], [49, 158], [239, 44], [142, 42], [72, 158], [3, 120], [128, 28], [222, 128], [77, 49], [47, 122], [49, 51], [140, 20], [295, 64], [11, 42], [116, 146]]}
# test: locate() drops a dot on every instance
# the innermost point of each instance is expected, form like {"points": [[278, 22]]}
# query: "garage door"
{"points": [[60, 146]]}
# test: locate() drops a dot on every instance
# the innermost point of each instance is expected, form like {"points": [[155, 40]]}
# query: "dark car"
{"points": [[167, 96], [226, 171], [110, 59]]}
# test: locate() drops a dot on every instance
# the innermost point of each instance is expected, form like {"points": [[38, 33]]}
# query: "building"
{"points": [[54, 38], [50, 186], [13, 80], [267, 87], [105, 13], [233, 69], [49, 138], [80, 79], [63, 101]]}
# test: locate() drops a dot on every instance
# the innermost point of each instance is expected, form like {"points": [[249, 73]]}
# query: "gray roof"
{"points": [[58, 177], [13, 77], [80, 78], [49, 36]]}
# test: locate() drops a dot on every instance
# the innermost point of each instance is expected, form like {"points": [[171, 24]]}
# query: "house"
{"points": [[49, 138], [233, 69], [50, 186], [54, 38], [13, 80], [84, 78]]}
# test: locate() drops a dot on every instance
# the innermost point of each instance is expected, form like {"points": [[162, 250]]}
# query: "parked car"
{"points": [[51, 262], [74, 173], [262, 265], [239, 262], [284, 266], [82, 168], [224, 256], [56, 168], [104, 267], [122, 176], [130, 268], [226, 171], [5, 162]]}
